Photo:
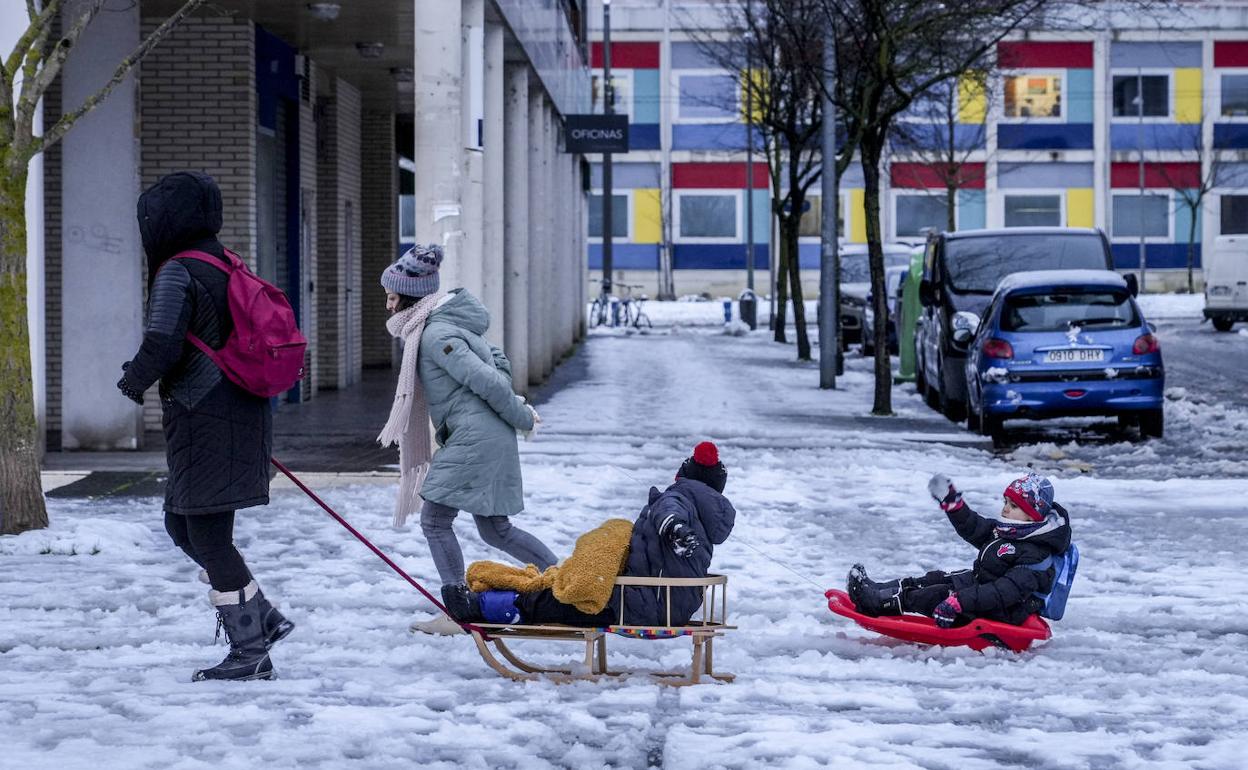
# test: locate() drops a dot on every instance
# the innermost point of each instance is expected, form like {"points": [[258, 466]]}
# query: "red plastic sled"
{"points": [[978, 634]]}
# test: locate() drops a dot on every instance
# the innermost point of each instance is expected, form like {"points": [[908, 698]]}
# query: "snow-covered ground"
{"points": [[102, 620]]}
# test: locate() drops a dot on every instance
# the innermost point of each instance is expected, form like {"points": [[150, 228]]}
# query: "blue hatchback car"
{"points": [[1062, 343]]}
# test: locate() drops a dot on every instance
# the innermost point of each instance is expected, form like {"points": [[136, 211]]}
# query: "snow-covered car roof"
{"points": [[1039, 279], [1015, 231]]}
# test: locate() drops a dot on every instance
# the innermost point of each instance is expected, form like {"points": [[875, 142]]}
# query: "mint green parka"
{"points": [[475, 413]]}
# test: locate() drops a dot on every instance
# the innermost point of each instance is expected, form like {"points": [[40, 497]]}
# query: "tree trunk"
{"points": [[1191, 252], [782, 291], [21, 495], [951, 207], [872, 149], [789, 237]]}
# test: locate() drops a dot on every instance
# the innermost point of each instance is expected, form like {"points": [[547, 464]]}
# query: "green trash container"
{"points": [[909, 318]]}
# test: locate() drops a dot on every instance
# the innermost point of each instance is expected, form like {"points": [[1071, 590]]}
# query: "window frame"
{"points": [[1138, 72], [898, 194], [677, 75], [1058, 73], [1218, 116], [1236, 192], [1135, 193], [737, 195], [1010, 192], [628, 196], [622, 75]]}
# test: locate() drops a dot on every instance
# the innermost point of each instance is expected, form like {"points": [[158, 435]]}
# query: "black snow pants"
{"points": [[208, 538], [543, 607]]}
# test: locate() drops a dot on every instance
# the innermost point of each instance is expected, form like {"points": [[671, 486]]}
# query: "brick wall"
{"points": [[52, 255], [338, 227], [198, 111], [307, 253], [380, 230]]}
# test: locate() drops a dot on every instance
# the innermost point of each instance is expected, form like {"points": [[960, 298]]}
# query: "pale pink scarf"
{"points": [[409, 425]]}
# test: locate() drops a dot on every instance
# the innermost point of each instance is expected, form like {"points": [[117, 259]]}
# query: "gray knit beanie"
{"points": [[415, 274]]}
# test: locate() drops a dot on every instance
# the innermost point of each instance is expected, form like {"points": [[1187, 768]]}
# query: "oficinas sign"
{"points": [[596, 133]]}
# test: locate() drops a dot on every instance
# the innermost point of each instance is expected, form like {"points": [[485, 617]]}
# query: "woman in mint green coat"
{"points": [[452, 377]]}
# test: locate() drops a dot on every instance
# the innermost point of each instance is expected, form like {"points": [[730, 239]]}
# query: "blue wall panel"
{"points": [[1154, 136], [646, 96], [716, 256], [1230, 136], [972, 209], [1160, 255], [935, 136], [709, 136], [627, 175], [1154, 54], [626, 256], [1079, 96], [643, 136], [1044, 136]]}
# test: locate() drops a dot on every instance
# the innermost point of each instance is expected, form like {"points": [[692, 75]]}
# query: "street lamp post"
{"points": [[752, 320], [608, 102]]}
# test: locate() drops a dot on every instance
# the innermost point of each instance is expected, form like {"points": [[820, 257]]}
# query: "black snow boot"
{"points": [[872, 598], [239, 613], [276, 626], [462, 603]]}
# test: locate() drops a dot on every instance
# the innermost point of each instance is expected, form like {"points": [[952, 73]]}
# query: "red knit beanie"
{"points": [[706, 453]]}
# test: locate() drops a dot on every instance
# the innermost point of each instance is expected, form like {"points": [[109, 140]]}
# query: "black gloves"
{"points": [[126, 389], [682, 539]]}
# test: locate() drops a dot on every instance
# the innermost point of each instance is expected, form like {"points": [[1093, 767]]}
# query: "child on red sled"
{"points": [[1006, 582]]}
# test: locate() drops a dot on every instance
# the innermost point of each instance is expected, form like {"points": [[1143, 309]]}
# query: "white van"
{"points": [[1226, 281]]}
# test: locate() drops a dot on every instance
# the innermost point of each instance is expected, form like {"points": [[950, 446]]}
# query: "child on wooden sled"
{"points": [[674, 536], [1025, 558]]}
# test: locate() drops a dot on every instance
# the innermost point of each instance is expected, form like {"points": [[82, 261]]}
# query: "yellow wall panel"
{"points": [[972, 104], [857, 216], [647, 216], [1187, 95], [1080, 207]]}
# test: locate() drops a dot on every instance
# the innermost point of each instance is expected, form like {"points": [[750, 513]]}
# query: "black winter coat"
{"points": [[218, 437], [1003, 585], [709, 515]]}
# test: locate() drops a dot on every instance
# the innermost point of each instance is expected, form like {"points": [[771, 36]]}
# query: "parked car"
{"points": [[1226, 281], [857, 317], [961, 271], [1061, 343], [908, 316]]}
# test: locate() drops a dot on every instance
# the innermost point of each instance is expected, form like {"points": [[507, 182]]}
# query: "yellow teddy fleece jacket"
{"points": [[585, 579]]}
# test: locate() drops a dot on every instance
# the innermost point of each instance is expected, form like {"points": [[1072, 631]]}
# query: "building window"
{"points": [[708, 217], [1234, 215], [407, 218], [1033, 211], [1142, 215], [619, 215], [707, 97], [1141, 96], [1033, 95], [811, 223], [1235, 96], [623, 82], [919, 214]]}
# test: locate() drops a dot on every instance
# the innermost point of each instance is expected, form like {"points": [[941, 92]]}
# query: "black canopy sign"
{"points": [[596, 133]]}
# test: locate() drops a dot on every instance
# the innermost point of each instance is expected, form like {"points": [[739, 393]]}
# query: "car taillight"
{"points": [[1146, 343], [995, 348]]}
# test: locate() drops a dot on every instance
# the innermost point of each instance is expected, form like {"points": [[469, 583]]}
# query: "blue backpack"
{"points": [[1064, 565]]}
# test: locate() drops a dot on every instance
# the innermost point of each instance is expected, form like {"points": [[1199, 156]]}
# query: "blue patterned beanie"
{"points": [[415, 274]]}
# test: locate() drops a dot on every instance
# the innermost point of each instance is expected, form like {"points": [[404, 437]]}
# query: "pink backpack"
{"points": [[264, 353]]}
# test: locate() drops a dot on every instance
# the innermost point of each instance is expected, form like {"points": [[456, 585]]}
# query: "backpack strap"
{"points": [[202, 256]]}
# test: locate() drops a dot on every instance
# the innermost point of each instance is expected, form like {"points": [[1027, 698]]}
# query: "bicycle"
{"points": [[600, 308], [631, 308]]}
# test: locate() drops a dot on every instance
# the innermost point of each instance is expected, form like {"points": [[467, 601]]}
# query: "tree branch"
{"points": [[39, 24], [62, 126], [34, 88]]}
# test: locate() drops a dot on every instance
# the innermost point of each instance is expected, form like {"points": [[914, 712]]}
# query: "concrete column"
{"points": [[494, 213], [549, 334], [537, 229], [567, 245], [380, 230], [102, 280], [438, 83], [516, 224], [471, 115]]}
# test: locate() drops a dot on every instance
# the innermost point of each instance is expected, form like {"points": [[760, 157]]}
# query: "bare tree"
{"points": [[773, 49], [1191, 193], [26, 74]]}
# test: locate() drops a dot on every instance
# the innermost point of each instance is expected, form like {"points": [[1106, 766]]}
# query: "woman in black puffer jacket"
{"points": [[218, 436]]}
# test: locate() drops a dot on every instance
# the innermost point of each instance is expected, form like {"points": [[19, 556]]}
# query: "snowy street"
{"points": [[102, 620]]}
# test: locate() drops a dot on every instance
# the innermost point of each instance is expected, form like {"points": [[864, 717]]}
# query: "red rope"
{"points": [[466, 626]]}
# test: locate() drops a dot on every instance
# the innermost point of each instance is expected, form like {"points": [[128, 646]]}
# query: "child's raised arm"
{"points": [[970, 526]]}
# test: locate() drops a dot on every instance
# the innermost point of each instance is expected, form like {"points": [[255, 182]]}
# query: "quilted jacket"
{"points": [[474, 411]]}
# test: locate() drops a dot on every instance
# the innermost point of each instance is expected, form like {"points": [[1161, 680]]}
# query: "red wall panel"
{"points": [[628, 55], [717, 176], [1230, 53], [1025, 54], [1156, 175], [928, 176]]}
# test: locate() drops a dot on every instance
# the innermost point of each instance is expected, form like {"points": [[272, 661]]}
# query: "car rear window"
{"points": [[1061, 310], [976, 265]]}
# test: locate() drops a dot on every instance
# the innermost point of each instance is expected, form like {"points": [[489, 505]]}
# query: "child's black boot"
{"points": [[872, 598], [461, 603]]}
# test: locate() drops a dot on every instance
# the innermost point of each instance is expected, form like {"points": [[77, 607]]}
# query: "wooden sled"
{"points": [[702, 632]]}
